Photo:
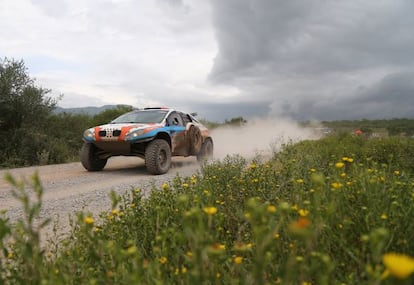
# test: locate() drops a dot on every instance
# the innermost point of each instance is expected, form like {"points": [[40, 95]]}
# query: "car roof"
{"points": [[168, 109], [156, 108]]}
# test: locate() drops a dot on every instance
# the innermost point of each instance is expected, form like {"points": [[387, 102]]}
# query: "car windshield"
{"points": [[146, 116]]}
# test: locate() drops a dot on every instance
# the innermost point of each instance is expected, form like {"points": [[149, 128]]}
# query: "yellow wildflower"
{"points": [[339, 164], [347, 159], [163, 260], [384, 216], [303, 213], [238, 259], [210, 210], [88, 220], [398, 265], [336, 185], [165, 186], [271, 209]]}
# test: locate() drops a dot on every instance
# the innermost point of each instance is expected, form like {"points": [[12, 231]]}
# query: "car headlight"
{"points": [[133, 135], [89, 134]]}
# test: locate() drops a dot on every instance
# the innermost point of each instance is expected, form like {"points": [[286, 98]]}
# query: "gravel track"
{"points": [[69, 188]]}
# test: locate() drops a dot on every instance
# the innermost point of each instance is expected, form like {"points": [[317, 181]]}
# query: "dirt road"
{"points": [[69, 188]]}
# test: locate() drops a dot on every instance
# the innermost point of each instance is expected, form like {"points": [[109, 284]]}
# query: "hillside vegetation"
{"points": [[338, 210]]}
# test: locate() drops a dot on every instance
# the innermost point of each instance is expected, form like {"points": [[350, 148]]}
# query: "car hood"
{"points": [[120, 132], [129, 125]]}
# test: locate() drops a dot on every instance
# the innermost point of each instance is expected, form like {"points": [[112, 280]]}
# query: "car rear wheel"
{"points": [[158, 156], [89, 158], [194, 135], [206, 152]]}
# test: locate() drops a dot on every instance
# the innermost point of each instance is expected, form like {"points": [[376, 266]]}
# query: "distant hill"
{"points": [[85, 110]]}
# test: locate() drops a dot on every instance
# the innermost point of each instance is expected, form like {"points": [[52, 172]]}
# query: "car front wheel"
{"points": [[90, 159], [158, 156]]}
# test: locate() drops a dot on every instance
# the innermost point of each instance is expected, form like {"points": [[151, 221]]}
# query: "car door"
{"points": [[176, 129]]}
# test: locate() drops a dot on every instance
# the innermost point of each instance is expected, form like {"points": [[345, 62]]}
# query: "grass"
{"points": [[334, 211]]}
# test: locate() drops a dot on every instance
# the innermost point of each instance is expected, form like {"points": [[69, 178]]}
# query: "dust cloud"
{"points": [[258, 137]]}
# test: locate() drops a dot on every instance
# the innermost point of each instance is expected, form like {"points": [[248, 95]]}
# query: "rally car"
{"points": [[154, 134]]}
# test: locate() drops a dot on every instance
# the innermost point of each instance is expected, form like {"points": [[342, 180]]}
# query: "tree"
{"points": [[110, 114], [237, 121], [24, 109]]}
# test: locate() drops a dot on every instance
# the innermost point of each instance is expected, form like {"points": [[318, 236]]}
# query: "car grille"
{"points": [[109, 134]]}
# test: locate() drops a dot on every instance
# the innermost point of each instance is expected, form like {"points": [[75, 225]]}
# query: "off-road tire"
{"points": [[206, 152], [158, 157], [196, 140], [90, 159]]}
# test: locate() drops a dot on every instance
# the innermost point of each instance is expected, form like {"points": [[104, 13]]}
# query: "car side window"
{"points": [[174, 119], [186, 118]]}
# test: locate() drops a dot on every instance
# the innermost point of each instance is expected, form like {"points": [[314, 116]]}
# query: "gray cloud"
{"points": [[303, 59], [318, 59], [391, 97]]}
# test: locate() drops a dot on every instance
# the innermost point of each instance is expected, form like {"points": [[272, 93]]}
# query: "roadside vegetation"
{"points": [[338, 210]]}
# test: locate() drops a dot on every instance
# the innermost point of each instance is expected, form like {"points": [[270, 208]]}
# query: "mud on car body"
{"points": [[154, 134]]}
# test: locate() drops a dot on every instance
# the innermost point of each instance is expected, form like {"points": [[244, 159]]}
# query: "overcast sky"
{"points": [[300, 59]]}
